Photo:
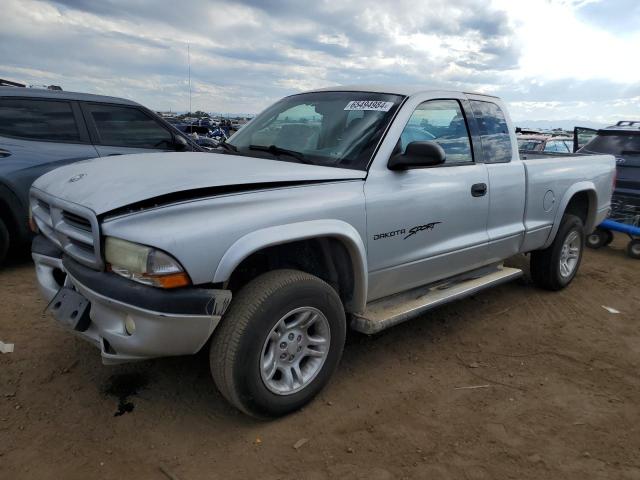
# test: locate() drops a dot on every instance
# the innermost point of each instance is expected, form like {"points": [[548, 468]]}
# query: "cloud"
{"points": [[247, 54], [622, 16]]}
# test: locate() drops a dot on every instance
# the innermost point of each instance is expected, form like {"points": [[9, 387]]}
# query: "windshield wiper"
{"points": [[228, 146], [277, 151]]}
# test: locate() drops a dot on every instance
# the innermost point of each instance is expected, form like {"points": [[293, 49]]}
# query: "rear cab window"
{"points": [[34, 119], [494, 132]]}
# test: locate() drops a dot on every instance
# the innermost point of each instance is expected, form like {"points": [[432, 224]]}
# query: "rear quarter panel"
{"points": [[553, 181]]}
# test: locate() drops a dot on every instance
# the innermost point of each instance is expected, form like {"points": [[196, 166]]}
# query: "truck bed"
{"points": [[551, 181]]}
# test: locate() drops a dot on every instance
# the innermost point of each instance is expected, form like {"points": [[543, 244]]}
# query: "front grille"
{"points": [[77, 221], [71, 227]]}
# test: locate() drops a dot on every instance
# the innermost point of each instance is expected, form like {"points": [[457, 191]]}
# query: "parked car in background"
{"points": [[43, 129], [192, 129], [348, 206], [544, 143], [621, 140]]}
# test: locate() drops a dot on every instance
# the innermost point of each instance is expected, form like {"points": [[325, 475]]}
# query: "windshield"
{"points": [[618, 144], [336, 129]]}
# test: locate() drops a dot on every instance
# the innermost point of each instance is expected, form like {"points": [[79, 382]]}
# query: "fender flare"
{"points": [[267, 237], [589, 226]]}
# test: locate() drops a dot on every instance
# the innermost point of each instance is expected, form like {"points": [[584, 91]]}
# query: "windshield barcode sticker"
{"points": [[376, 105]]}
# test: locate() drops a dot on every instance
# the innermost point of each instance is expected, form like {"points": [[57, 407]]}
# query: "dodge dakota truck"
{"points": [[351, 207]]}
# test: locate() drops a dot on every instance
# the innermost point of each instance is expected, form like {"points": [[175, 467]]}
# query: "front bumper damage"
{"points": [[167, 322]]}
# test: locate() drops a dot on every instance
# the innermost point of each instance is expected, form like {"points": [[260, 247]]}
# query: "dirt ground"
{"points": [[512, 383]]}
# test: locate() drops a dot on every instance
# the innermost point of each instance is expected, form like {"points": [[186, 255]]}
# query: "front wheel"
{"points": [[279, 343], [555, 267]]}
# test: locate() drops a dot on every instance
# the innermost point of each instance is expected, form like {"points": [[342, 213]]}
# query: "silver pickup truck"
{"points": [[346, 207]]}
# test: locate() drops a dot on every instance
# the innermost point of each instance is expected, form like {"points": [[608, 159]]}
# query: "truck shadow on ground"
{"points": [[185, 383]]}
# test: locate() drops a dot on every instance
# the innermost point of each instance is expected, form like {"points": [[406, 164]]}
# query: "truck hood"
{"points": [[107, 183]]}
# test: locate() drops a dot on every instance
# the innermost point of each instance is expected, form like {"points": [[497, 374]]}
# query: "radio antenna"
{"points": [[189, 62]]}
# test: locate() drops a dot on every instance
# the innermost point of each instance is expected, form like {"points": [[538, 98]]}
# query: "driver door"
{"points": [[427, 224]]}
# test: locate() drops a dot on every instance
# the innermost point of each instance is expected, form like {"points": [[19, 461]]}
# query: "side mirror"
{"points": [[180, 143], [418, 154]]}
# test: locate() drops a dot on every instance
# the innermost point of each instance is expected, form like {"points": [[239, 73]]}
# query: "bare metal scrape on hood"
{"points": [[105, 184]]}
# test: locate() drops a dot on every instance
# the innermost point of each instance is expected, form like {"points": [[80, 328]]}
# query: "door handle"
{"points": [[4, 153], [478, 189]]}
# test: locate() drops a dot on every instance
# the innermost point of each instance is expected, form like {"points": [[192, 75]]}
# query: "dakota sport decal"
{"points": [[403, 231]]}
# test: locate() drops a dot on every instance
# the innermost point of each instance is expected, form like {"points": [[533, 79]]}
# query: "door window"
{"points": [[128, 127], [440, 121], [582, 136], [494, 133], [38, 120]]}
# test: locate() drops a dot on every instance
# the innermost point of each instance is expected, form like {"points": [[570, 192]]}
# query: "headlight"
{"points": [[144, 264]]}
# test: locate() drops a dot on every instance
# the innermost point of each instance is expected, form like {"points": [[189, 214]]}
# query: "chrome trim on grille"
{"points": [[72, 227]]}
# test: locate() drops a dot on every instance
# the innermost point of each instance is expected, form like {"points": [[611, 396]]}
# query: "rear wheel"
{"points": [[279, 343], [633, 248], [599, 238], [555, 267], [4, 241]]}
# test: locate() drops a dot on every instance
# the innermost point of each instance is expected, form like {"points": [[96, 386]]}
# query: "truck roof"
{"points": [[61, 95], [406, 90]]}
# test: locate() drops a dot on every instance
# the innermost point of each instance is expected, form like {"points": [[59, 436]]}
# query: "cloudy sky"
{"points": [[550, 59]]}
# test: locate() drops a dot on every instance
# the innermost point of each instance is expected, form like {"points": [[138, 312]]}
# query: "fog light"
{"points": [[129, 325]]}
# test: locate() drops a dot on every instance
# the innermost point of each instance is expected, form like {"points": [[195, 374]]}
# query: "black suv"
{"points": [[43, 129], [622, 141]]}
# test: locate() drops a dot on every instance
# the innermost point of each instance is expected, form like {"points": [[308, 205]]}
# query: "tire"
{"points": [[4, 241], [547, 269], [252, 330], [599, 238], [633, 248]]}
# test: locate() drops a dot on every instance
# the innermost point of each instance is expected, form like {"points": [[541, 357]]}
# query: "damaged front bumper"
{"points": [[130, 321]]}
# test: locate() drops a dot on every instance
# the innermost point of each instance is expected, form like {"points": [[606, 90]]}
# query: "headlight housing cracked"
{"points": [[146, 265]]}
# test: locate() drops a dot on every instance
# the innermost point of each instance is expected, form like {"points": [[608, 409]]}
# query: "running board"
{"points": [[398, 308]]}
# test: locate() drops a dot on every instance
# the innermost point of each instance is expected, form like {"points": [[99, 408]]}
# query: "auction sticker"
{"points": [[375, 105]]}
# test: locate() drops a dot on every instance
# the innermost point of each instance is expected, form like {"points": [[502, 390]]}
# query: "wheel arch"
{"points": [[13, 213], [581, 199], [331, 237]]}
